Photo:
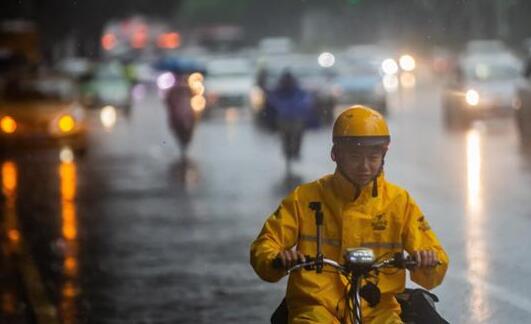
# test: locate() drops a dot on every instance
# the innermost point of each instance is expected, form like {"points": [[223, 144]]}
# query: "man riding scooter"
{"points": [[361, 209]]}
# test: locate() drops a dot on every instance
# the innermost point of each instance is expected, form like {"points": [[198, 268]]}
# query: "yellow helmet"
{"points": [[361, 125]]}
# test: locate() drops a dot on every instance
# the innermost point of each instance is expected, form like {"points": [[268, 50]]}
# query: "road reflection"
{"points": [[476, 249], [9, 189], [70, 286], [186, 173], [10, 244]]}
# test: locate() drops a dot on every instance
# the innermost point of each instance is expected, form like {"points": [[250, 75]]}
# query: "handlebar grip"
{"points": [[411, 261], [277, 263]]}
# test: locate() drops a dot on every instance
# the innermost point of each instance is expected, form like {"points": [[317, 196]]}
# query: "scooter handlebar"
{"points": [[396, 261]]}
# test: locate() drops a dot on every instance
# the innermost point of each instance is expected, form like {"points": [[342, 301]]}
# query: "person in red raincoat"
{"points": [[181, 116]]}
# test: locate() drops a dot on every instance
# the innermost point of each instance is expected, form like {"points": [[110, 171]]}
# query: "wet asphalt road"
{"points": [[131, 234]]}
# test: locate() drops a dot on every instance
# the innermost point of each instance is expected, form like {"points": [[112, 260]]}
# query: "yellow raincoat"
{"points": [[390, 222]]}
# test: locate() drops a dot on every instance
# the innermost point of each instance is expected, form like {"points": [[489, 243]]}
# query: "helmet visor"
{"points": [[362, 140]]}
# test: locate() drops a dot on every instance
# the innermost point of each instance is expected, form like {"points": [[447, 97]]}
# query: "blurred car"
{"points": [[311, 76], [228, 82], [74, 67], [485, 46], [397, 67], [483, 86], [42, 111], [107, 85], [275, 45], [359, 81]]}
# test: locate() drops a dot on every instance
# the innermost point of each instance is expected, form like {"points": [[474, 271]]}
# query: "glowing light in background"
{"points": [[472, 97], [8, 125], [165, 81], [195, 82], [198, 88], [198, 103], [326, 59], [389, 66], [407, 63], [169, 40], [108, 117], [66, 123], [108, 41], [195, 77]]}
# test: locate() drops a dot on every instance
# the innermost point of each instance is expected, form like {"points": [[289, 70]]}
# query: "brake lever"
{"points": [[277, 263]]}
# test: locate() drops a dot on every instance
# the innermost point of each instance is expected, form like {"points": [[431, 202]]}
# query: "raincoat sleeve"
{"points": [[418, 235], [280, 232]]}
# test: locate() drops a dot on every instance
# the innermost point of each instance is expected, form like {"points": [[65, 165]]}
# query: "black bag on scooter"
{"points": [[418, 307], [280, 316]]}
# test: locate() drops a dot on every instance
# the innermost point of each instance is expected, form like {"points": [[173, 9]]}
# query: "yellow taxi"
{"points": [[41, 111]]}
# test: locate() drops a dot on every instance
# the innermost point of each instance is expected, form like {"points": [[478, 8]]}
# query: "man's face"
{"points": [[360, 164]]}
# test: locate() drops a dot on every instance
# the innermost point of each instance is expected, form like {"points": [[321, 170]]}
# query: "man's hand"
{"points": [[425, 259], [290, 258]]}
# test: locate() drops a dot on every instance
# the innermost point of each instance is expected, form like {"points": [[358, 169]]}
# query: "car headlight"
{"points": [[472, 97], [389, 66], [108, 117], [407, 63], [66, 123], [8, 125]]}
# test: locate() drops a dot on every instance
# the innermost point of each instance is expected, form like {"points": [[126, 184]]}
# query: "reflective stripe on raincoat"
{"points": [[390, 222]]}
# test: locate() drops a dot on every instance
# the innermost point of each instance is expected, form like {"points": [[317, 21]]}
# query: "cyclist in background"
{"points": [[292, 106]]}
